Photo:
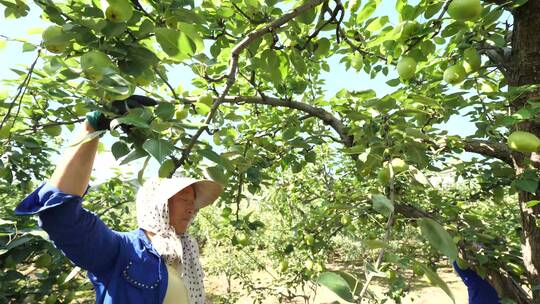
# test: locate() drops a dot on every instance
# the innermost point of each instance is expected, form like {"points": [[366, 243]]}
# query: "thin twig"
{"points": [[166, 83], [21, 89]]}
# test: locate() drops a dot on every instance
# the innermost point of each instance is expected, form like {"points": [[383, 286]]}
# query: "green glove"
{"points": [[98, 121]]}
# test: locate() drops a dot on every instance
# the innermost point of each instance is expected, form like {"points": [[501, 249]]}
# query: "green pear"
{"points": [[206, 99], [523, 142], [95, 64], [54, 39], [283, 265], [464, 10], [471, 60], [406, 29], [53, 131], [406, 68], [399, 165], [454, 74], [119, 10]]}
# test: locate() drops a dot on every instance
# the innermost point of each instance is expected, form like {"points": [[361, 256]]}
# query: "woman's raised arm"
{"points": [[72, 175]]}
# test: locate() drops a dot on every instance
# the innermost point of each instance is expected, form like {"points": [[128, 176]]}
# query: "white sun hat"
{"points": [[206, 191]]}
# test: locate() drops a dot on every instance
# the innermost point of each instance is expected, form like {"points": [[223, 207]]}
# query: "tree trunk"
{"points": [[506, 287], [525, 70]]}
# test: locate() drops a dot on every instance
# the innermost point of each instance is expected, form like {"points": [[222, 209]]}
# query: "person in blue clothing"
{"points": [[480, 291], [156, 263]]}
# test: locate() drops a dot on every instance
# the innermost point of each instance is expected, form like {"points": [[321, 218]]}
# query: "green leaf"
{"points": [[438, 237], [174, 43], [528, 182], [419, 176], [382, 204], [133, 119], [165, 110], [18, 242], [202, 108], [532, 203], [167, 168], [354, 149], [377, 23], [437, 281], [179, 44], [6, 222], [119, 149], [211, 155], [158, 148], [116, 84], [72, 274], [135, 154], [28, 47], [3, 44], [140, 174], [217, 173], [298, 62], [336, 284], [367, 10]]}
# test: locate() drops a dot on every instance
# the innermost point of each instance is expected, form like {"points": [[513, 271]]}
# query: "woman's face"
{"points": [[181, 209]]}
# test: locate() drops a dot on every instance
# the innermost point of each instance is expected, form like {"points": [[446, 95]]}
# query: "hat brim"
{"points": [[206, 191]]}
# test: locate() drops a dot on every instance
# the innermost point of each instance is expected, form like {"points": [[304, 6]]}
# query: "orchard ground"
{"points": [[422, 292]]}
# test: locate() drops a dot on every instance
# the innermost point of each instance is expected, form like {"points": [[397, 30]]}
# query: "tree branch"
{"points": [[320, 113], [488, 148], [233, 67]]}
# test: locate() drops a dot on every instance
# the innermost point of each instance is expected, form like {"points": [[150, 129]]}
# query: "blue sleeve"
{"points": [[80, 234], [480, 291]]}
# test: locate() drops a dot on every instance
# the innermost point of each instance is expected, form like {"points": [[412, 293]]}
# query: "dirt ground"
{"points": [[423, 293]]}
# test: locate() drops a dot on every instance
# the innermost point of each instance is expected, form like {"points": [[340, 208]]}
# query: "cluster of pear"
{"points": [[454, 74], [459, 10]]}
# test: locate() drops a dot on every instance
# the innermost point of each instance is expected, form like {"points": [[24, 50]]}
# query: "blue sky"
{"points": [[337, 79]]}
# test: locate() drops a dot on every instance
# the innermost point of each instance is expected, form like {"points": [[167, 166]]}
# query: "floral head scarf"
{"points": [[176, 250]]}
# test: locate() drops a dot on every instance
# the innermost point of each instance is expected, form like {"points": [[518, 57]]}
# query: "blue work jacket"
{"points": [[480, 291], [123, 266]]}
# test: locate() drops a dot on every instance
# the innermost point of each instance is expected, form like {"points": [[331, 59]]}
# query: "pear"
{"points": [[95, 64], [118, 10], [54, 39], [471, 60], [406, 68], [464, 10], [523, 142], [454, 74], [399, 165], [53, 131]]}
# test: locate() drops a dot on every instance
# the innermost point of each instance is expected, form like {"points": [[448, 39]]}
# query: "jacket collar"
{"points": [[146, 241]]}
